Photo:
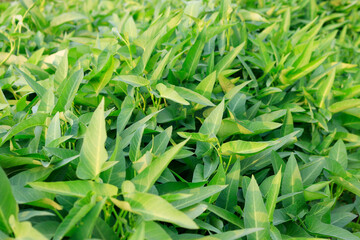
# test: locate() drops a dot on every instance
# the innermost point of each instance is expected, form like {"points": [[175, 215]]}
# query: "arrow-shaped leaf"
{"points": [[93, 153]]}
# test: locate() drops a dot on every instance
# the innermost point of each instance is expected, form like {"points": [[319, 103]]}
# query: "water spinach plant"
{"points": [[175, 119]]}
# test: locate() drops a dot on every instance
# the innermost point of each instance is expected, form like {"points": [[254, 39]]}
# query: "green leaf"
{"points": [[291, 76], [255, 214], [157, 73], [31, 175], [341, 218], [197, 137], [210, 126], [152, 207], [148, 49], [76, 213], [218, 179], [237, 105], [139, 232], [133, 80], [102, 78], [262, 158], [277, 162], [35, 57], [170, 94], [318, 227], [97, 93], [210, 165], [160, 142], [103, 230], [134, 152], [207, 226], [153, 231], [88, 221], [8, 161], [339, 154], [28, 195], [232, 235], [127, 107], [272, 195], [130, 28], [351, 184], [225, 62], [62, 69], [226, 215], [242, 147], [325, 89], [275, 233], [66, 17], [205, 87], [27, 214], [310, 171], [212, 123], [292, 183], [47, 102], [53, 132], [68, 90], [228, 198], [24, 230], [146, 179], [93, 153], [305, 56], [198, 194], [231, 127], [288, 125], [8, 206], [335, 168], [37, 119], [76, 188], [344, 105], [116, 174], [193, 96], [193, 56], [151, 32], [272, 116], [40, 90], [128, 131], [251, 16], [255, 127]]}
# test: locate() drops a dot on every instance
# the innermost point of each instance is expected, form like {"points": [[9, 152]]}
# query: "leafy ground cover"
{"points": [[180, 120]]}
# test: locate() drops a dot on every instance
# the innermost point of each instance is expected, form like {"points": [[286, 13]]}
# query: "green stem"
{"points": [[9, 54], [58, 214], [228, 165], [218, 153]]}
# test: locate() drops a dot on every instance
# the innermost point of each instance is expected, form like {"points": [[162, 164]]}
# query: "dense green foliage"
{"points": [[179, 120]]}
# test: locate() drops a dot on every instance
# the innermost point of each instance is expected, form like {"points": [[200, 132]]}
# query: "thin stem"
{"points": [[58, 214], [218, 153], [9, 54], [228, 165]]}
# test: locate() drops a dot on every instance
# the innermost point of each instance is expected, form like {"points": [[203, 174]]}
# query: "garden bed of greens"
{"points": [[180, 119]]}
